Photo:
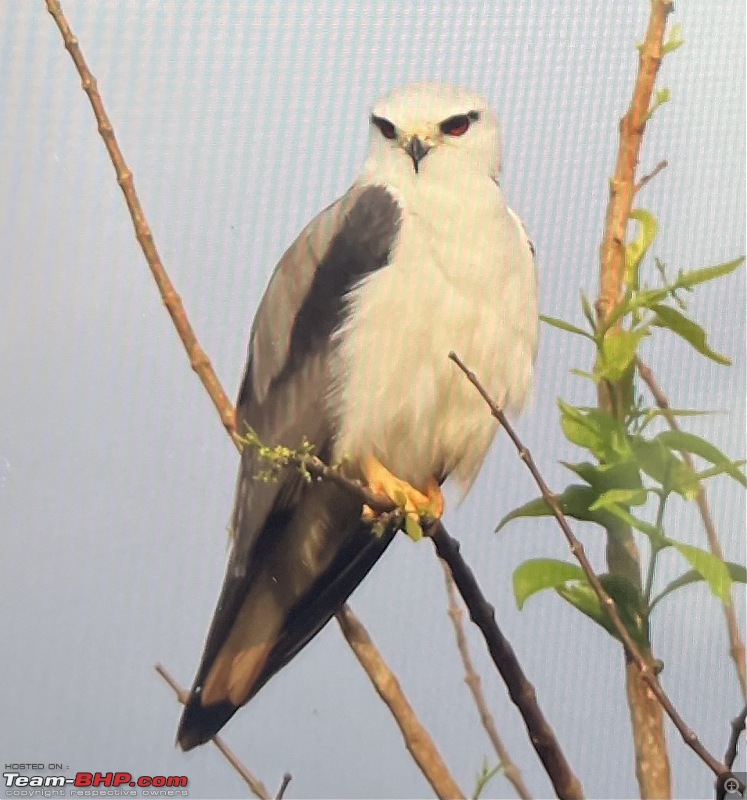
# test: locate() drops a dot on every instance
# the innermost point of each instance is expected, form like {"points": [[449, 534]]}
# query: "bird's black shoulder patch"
{"points": [[362, 245]]}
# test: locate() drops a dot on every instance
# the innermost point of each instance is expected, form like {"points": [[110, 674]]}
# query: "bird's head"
{"points": [[434, 129]]}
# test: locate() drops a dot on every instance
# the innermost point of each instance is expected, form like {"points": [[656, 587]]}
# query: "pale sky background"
{"points": [[241, 121]]}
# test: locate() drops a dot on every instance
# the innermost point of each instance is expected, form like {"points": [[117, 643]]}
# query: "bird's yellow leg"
{"points": [[381, 481]]}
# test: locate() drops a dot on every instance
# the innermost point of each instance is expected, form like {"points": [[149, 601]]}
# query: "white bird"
{"points": [[349, 351]]}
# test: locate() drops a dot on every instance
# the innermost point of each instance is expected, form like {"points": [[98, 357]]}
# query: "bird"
{"points": [[348, 353]]}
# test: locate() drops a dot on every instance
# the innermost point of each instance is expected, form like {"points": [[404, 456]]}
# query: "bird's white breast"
{"points": [[461, 277]]}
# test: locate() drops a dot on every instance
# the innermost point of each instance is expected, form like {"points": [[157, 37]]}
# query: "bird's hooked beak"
{"points": [[417, 149]]}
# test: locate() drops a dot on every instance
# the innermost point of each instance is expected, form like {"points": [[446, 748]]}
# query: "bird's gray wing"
{"points": [[299, 548]]}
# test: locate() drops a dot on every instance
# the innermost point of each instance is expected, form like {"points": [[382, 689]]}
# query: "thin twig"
{"points": [[255, 785], [737, 728], [651, 175], [606, 602], [736, 645], [397, 703], [474, 683], [417, 740], [287, 778]]}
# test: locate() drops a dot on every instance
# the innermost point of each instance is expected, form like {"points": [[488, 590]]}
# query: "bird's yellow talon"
{"points": [[415, 503]]}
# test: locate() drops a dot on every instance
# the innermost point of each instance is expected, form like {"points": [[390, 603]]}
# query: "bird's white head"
{"points": [[433, 130]]}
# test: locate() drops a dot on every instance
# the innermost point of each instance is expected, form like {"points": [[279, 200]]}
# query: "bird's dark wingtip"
{"points": [[200, 723]]}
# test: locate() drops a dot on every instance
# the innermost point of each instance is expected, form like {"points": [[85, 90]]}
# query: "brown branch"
{"points": [[472, 679], [651, 175], [256, 786], [396, 701], [622, 185], [417, 740], [647, 674], [651, 757], [736, 645]]}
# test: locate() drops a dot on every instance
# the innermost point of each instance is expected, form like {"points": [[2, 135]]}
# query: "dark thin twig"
{"points": [[255, 785], [287, 778], [606, 602], [736, 645], [737, 727], [474, 683], [651, 175], [521, 691]]}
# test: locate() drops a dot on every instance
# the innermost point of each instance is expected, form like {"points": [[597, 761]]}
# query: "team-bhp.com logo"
{"points": [[82, 784]]}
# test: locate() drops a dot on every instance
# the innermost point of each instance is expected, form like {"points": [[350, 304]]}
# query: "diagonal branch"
{"points": [[255, 785], [472, 679], [606, 602], [397, 703], [417, 740], [736, 645]]}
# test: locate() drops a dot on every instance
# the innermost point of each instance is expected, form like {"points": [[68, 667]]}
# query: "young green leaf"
{"points": [[574, 502], [686, 280], [538, 574], [636, 250], [660, 463], [712, 569], [690, 443], [565, 326], [595, 430], [737, 573], [618, 475], [617, 353], [412, 528], [626, 497], [674, 40], [691, 332], [656, 536], [588, 310]]}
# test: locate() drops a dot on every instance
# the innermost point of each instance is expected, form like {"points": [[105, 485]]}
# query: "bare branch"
{"points": [[607, 603], [255, 785], [417, 740], [472, 679], [736, 645], [287, 778], [737, 728]]}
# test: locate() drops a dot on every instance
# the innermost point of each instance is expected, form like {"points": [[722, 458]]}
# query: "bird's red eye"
{"points": [[388, 131], [458, 125]]}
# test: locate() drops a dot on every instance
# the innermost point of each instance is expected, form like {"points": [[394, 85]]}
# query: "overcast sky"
{"points": [[240, 122]]}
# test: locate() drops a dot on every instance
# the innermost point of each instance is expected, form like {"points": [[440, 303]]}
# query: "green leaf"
{"points": [[725, 467], [574, 503], [636, 250], [674, 40], [565, 326], [629, 605], [690, 443], [595, 430], [603, 477], [686, 280], [583, 374], [660, 463], [626, 497], [677, 322], [654, 534], [588, 310], [617, 353], [538, 574], [713, 569], [737, 573]]}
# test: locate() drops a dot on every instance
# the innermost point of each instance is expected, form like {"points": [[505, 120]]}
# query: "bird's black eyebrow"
{"points": [[387, 128]]}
